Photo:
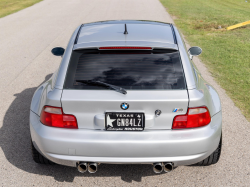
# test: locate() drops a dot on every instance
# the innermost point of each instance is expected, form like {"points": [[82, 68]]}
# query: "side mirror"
{"points": [[194, 51], [58, 51]]}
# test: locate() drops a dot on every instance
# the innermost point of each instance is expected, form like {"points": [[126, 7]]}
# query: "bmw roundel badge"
{"points": [[124, 106]]}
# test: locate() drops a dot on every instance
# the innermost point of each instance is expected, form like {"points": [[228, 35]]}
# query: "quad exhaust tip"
{"points": [[82, 167], [168, 167], [92, 167], [159, 167]]}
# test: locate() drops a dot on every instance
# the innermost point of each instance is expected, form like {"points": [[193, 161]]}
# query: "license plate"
{"points": [[115, 121]]}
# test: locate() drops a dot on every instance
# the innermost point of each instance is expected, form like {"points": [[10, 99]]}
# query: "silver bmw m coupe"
{"points": [[126, 92]]}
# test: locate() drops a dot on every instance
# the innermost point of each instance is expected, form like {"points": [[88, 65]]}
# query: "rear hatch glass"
{"points": [[131, 70], [154, 80]]}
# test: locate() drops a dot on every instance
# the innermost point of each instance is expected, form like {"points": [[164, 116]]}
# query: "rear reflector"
{"points": [[125, 48], [54, 117], [195, 117]]}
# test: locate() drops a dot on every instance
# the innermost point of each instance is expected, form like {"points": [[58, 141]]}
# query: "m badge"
{"points": [[178, 110]]}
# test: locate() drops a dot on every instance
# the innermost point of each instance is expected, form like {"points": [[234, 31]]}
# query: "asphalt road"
{"points": [[26, 39]]}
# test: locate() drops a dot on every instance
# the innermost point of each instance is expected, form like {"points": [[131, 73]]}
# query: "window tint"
{"points": [[131, 70]]}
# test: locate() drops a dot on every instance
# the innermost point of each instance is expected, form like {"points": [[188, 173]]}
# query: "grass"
{"points": [[10, 6], [226, 53]]}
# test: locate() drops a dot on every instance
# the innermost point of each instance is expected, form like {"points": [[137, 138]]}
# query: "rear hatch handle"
{"points": [[103, 84]]}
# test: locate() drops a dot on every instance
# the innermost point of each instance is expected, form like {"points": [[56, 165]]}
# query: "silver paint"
{"points": [[65, 61], [187, 67], [182, 147], [158, 142], [86, 104], [137, 33]]}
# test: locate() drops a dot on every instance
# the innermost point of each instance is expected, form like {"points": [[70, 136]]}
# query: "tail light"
{"points": [[54, 117], [195, 117]]}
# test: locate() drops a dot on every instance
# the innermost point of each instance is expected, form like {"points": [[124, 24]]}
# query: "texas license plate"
{"points": [[124, 121]]}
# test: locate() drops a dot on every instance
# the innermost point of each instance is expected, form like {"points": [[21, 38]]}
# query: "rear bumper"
{"points": [[182, 147]]}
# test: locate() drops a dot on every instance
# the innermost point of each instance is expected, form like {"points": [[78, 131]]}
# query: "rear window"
{"points": [[131, 70]]}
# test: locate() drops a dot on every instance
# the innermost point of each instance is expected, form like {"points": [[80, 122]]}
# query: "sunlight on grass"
{"points": [[10, 6], [226, 53]]}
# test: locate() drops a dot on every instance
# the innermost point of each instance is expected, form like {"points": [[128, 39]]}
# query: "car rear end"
{"points": [[157, 121]]}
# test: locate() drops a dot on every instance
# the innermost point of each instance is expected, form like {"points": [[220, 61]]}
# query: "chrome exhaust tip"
{"points": [[92, 167], [157, 167], [82, 167], [168, 167]]}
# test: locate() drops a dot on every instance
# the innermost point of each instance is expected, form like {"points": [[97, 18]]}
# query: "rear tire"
{"points": [[38, 158], [213, 158]]}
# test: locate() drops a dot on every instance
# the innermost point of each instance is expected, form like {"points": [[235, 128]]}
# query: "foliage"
{"points": [[226, 53]]}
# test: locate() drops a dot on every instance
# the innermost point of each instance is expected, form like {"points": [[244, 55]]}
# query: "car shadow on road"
{"points": [[15, 143]]}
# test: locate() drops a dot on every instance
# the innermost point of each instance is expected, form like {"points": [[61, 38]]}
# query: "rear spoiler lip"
{"points": [[152, 45], [125, 48]]}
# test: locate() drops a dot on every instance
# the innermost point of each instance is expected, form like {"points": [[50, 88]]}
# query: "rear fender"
{"points": [[46, 94], [204, 95]]}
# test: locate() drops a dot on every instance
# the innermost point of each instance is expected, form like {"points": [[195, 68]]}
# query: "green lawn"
{"points": [[10, 6], [226, 53]]}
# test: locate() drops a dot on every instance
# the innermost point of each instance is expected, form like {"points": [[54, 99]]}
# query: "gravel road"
{"points": [[26, 39]]}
